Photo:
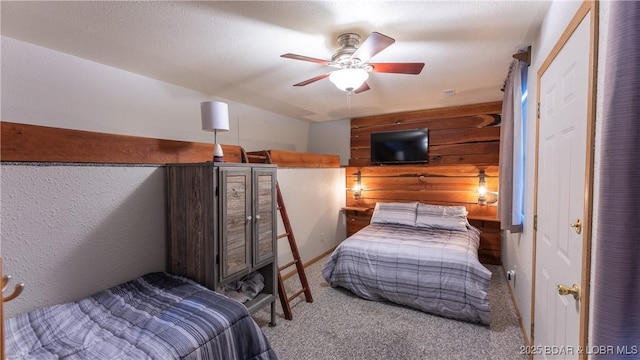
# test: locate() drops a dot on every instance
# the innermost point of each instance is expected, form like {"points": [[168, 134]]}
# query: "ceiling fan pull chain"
{"points": [[349, 100]]}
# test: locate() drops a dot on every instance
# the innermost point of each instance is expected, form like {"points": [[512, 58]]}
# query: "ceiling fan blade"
{"points": [[305, 58], [375, 43], [309, 81], [398, 68], [362, 88]]}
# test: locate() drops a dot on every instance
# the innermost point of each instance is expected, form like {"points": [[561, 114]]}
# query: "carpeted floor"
{"points": [[339, 325]]}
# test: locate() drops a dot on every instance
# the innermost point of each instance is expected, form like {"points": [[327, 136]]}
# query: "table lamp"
{"points": [[215, 117]]}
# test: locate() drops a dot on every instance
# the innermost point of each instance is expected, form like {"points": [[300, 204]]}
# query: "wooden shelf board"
{"points": [[356, 208], [482, 218]]}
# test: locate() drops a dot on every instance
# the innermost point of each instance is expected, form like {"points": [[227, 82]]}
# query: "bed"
{"points": [[156, 316], [418, 255]]}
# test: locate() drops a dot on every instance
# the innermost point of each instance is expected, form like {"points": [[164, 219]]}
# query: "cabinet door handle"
{"points": [[257, 217], [249, 218]]}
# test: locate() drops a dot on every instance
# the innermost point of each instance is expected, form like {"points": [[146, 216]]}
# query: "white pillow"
{"points": [[442, 210], [442, 217], [395, 213]]}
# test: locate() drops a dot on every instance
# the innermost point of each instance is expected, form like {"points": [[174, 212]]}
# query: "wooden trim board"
{"points": [[34, 143]]}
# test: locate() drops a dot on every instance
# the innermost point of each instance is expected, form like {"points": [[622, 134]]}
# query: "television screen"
{"points": [[399, 147]]}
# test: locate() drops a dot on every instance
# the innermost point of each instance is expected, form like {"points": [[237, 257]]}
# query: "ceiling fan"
{"points": [[352, 63]]}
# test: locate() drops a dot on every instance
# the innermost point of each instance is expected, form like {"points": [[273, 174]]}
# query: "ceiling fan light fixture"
{"points": [[352, 62], [348, 79]]}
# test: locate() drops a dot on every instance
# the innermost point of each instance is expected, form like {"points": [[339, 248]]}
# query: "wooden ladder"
{"points": [[285, 300]]}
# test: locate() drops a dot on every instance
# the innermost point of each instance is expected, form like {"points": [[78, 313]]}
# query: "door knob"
{"points": [[565, 290], [577, 226]]}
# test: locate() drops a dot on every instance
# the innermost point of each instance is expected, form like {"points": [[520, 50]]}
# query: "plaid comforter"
{"points": [[436, 271], [157, 316]]}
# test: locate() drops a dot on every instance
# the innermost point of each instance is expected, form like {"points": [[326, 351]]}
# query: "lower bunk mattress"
{"points": [[156, 316]]}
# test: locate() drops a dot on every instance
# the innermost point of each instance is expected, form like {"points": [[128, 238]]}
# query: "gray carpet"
{"points": [[339, 325]]}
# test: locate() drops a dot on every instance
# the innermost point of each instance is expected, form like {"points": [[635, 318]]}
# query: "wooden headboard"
{"points": [[462, 141]]}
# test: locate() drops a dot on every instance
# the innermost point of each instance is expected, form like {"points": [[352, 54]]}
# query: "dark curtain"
{"points": [[616, 303]]}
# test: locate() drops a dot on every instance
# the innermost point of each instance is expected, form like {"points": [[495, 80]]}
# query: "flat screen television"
{"points": [[400, 147]]}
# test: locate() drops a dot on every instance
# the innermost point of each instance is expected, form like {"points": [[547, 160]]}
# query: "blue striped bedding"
{"points": [[156, 316], [436, 271]]}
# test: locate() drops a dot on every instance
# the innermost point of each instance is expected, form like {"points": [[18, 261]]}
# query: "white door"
{"points": [[561, 196]]}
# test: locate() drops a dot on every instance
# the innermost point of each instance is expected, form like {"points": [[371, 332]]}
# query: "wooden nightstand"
{"points": [[490, 238], [357, 218]]}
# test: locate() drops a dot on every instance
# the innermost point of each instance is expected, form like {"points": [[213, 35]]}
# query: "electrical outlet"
{"points": [[511, 276], [321, 237]]}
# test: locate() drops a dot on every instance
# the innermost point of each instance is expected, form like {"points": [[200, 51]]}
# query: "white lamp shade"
{"points": [[348, 79], [215, 116]]}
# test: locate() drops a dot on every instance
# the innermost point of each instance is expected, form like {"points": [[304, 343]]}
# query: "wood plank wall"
{"points": [[462, 141]]}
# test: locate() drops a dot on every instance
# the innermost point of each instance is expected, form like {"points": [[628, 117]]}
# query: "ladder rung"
{"points": [[287, 265], [282, 235], [296, 294]]}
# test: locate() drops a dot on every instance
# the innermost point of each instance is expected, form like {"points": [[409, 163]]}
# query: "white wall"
{"points": [[70, 230], [517, 249], [313, 198], [331, 137], [45, 87]]}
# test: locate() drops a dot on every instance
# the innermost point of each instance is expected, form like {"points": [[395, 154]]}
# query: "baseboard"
{"points": [[527, 339], [308, 263]]}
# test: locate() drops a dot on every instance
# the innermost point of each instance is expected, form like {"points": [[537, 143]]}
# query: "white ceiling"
{"points": [[231, 49]]}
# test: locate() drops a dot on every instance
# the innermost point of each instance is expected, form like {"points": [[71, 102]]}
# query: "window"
{"points": [[519, 149]]}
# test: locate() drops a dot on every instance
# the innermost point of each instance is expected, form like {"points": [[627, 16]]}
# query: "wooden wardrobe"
{"points": [[222, 225]]}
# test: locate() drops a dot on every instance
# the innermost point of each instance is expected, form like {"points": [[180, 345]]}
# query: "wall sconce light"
{"points": [[485, 197], [482, 189], [215, 117], [357, 186]]}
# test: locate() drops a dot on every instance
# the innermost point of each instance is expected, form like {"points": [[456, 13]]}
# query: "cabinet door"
{"points": [[235, 222], [265, 220]]}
